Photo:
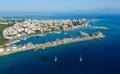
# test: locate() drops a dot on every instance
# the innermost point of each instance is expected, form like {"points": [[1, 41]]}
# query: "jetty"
{"points": [[97, 35], [100, 28]]}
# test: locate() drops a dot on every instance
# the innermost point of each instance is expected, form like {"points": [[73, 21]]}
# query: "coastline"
{"points": [[66, 26], [53, 44], [12, 41], [96, 55]]}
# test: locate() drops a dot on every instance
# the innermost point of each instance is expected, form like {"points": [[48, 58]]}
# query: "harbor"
{"points": [[30, 46], [59, 37], [47, 33]]}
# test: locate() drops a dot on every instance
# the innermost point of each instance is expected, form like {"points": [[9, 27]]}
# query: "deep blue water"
{"points": [[99, 56]]}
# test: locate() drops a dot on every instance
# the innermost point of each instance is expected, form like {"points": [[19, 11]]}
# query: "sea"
{"points": [[98, 56]]}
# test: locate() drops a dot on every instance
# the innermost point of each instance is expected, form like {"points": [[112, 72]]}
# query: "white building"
{"points": [[1, 50]]}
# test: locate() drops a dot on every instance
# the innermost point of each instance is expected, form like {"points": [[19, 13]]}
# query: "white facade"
{"points": [[1, 50]]}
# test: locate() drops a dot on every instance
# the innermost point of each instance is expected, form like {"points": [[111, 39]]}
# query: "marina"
{"points": [[29, 46]]}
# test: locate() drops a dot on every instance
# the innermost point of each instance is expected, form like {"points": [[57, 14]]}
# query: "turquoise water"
{"points": [[99, 56]]}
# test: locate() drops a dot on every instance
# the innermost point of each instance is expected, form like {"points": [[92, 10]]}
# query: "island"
{"points": [[15, 30]]}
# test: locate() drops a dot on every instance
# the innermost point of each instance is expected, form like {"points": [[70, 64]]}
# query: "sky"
{"points": [[56, 5]]}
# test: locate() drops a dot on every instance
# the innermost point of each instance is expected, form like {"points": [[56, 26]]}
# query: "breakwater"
{"points": [[98, 35]]}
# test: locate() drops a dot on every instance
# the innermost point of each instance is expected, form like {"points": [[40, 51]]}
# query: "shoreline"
{"points": [[26, 37], [53, 44], [12, 41]]}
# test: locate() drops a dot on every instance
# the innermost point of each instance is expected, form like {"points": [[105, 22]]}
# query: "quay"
{"points": [[69, 40], [94, 36]]}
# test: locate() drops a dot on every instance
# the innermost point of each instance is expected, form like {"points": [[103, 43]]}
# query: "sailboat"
{"points": [[55, 59], [80, 59]]}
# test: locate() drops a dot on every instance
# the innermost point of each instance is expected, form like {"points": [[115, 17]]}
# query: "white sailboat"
{"points": [[80, 59], [55, 59]]}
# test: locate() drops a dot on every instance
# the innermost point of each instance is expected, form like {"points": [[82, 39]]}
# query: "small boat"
{"points": [[80, 58], [57, 32], [84, 34], [55, 59], [65, 33]]}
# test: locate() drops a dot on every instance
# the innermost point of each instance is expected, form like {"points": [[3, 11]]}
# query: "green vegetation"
{"points": [[3, 41], [32, 34], [20, 20], [75, 23], [37, 32], [11, 35], [4, 46], [3, 26], [54, 29], [19, 32]]}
